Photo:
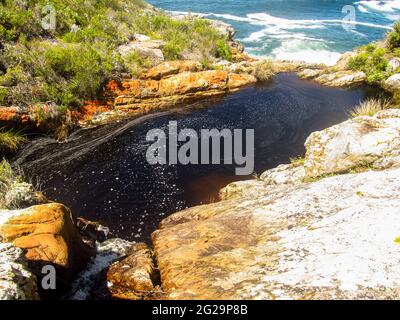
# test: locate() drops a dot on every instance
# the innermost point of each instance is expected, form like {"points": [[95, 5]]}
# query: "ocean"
{"points": [[307, 30]]}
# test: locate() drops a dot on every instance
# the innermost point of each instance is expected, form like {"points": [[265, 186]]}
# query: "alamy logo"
{"points": [[238, 148], [49, 278], [349, 21], [49, 18]]}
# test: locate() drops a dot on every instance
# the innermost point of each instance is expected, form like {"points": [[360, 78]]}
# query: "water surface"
{"points": [[102, 173], [308, 30]]}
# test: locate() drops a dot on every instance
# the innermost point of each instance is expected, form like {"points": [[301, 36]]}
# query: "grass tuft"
{"points": [[370, 107], [11, 140], [262, 70]]}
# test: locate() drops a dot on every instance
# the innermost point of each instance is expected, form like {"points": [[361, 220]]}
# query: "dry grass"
{"points": [[262, 70], [370, 107], [11, 140]]}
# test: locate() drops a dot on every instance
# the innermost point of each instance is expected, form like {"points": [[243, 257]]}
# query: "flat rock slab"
{"points": [[330, 239]]}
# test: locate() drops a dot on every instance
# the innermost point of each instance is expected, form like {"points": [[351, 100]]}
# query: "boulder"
{"points": [[337, 77], [146, 48], [133, 277], [310, 73], [16, 281], [344, 60], [394, 64], [48, 235], [223, 28], [344, 78], [392, 83], [356, 143]]}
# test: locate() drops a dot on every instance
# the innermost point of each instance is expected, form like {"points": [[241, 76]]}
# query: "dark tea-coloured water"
{"points": [[102, 173]]}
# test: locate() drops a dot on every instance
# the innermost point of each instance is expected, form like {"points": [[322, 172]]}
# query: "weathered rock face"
{"points": [[394, 64], [144, 47], [392, 83], [48, 236], [281, 237], [344, 60], [16, 281], [342, 78], [177, 85], [171, 67], [364, 141], [296, 242], [133, 278]]}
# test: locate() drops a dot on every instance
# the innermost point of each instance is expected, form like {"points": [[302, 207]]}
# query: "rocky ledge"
{"points": [[323, 227], [166, 85]]}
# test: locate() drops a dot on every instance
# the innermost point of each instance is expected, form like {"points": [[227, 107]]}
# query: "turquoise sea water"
{"points": [[309, 30]]}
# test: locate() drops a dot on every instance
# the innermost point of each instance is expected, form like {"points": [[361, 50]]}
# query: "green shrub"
{"points": [[224, 50], [4, 93], [393, 38], [372, 62]]}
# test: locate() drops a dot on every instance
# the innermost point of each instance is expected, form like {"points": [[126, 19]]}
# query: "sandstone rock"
{"points": [[145, 95], [284, 174], [171, 67], [341, 78], [358, 142], [48, 235], [392, 83], [333, 78], [16, 281], [394, 64], [310, 73], [223, 28], [133, 277], [321, 240], [344, 60]]}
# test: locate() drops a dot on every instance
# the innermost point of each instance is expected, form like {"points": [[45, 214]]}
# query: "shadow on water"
{"points": [[102, 173]]}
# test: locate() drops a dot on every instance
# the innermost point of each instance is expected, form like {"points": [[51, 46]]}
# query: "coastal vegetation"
{"points": [[71, 62], [373, 58]]}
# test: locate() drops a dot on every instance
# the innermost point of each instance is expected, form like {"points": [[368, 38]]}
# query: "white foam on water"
{"points": [[307, 51], [380, 6]]}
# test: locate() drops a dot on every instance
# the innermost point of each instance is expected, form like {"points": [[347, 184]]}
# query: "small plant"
{"points": [[11, 140], [224, 50], [262, 70], [370, 107], [298, 161]]}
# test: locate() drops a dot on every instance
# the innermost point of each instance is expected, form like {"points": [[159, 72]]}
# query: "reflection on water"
{"points": [[102, 173]]}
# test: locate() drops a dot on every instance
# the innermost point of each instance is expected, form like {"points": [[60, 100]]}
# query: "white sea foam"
{"points": [[307, 51], [295, 44], [380, 6]]}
